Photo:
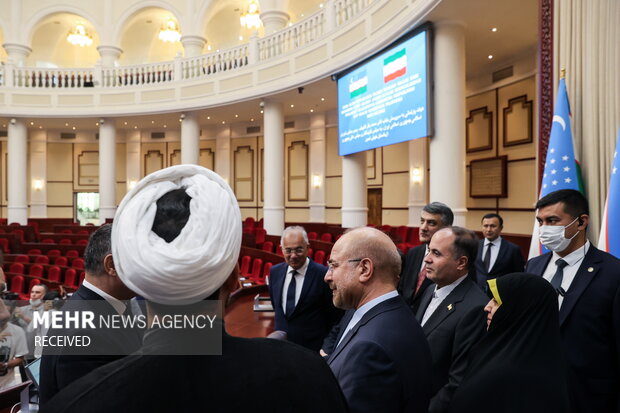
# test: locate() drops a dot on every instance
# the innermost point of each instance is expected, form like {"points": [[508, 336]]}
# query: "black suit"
{"points": [[509, 260], [59, 370], [251, 375], [383, 363], [409, 277], [314, 314], [590, 330], [457, 324]]}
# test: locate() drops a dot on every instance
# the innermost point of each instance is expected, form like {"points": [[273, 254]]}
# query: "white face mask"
{"points": [[553, 236], [35, 303]]}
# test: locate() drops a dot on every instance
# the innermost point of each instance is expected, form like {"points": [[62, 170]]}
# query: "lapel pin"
{"points": [[449, 307], [590, 269]]}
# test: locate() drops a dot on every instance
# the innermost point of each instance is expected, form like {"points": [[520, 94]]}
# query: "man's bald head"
{"points": [[378, 247]]}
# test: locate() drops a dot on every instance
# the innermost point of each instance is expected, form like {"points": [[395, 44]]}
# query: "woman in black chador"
{"points": [[518, 366]]}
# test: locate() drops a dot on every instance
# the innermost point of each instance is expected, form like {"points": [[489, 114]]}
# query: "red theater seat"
{"points": [[257, 267], [401, 233], [312, 235], [53, 253], [4, 243], [62, 261], [319, 257], [245, 265], [81, 242], [53, 273], [33, 282], [82, 232], [34, 251], [17, 284], [22, 258], [70, 278], [327, 237], [66, 231], [267, 269], [36, 270], [17, 268], [65, 241], [260, 234], [48, 241], [72, 254], [268, 246], [78, 263], [42, 259]]}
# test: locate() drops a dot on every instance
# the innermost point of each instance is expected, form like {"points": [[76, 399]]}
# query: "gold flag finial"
{"points": [[562, 73]]}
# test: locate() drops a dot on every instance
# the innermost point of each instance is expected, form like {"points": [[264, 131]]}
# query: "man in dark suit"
{"points": [[381, 359], [452, 311], [102, 284], [413, 280], [248, 374], [588, 285], [496, 256], [302, 302]]}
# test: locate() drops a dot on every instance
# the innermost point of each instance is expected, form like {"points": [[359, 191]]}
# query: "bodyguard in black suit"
{"points": [[501, 258], [412, 284], [307, 319], [101, 283], [588, 283], [451, 311], [381, 359]]}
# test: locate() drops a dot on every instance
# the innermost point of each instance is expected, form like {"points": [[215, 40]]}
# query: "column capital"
{"points": [[17, 52], [109, 54], [274, 20]]}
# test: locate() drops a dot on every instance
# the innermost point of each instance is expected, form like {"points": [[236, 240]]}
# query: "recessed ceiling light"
{"points": [[302, 15], [152, 122], [490, 56], [135, 127], [125, 123], [493, 29], [236, 116], [66, 124], [31, 123], [208, 47], [73, 128], [240, 37], [292, 106], [252, 120], [261, 111], [165, 126], [217, 51], [223, 122], [208, 117], [40, 127], [322, 99], [311, 110], [321, 5], [96, 123]]}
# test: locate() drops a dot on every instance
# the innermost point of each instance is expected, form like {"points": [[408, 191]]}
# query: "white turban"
{"points": [[198, 261]]}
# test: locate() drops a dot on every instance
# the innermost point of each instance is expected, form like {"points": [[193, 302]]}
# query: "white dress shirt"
{"points": [[118, 305], [359, 313], [299, 282], [497, 242], [573, 261], [438, 296]]}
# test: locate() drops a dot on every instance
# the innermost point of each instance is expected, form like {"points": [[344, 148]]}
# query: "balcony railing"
{"points": [[335, 13]]}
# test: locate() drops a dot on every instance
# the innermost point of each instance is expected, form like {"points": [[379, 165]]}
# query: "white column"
{"points": [[107, 169], [447, 147], [418, 179], [273, 207], [17, 161], [274, 15], [193, 45], [222, 153], [317, 167], [109, 55], [17, 53], [354, 194], [190, 138], [132, 159], [38, 174]]}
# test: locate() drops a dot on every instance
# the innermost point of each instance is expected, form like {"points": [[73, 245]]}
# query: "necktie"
{"points": [[556, 281], [487, 257], [290, 294], [421, 278]]}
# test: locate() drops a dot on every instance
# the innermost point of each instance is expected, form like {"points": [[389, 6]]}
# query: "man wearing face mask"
{"points": [[588, 284]]}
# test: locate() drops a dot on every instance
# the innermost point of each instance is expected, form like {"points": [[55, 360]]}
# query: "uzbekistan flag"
{"points": [[394, 66], [562, 169], [358, 85], [609, 239]]}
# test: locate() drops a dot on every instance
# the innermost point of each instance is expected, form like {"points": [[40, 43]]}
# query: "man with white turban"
{"points": [[176, 241]]}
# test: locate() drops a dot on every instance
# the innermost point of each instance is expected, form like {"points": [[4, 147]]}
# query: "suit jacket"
{"points": [[251, 375], [452, 330], [314, 314], [59, 370], [409, 277], [590, 330], [383, 363], [509, 260]]}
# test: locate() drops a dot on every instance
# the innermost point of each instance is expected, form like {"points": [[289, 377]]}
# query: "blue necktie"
{"points": [[556, 281], [290, 294]]}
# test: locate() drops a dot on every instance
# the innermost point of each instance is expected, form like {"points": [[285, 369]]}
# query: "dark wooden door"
{"points": [[375, 202]]}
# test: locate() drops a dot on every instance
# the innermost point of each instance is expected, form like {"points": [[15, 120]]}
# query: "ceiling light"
{"points": [[152, 122], [490, 56], [292, 106], [208, 117], [223, 122], [209, 47], [73, 128], [236, 116], [494, 29], [31, 123], [40, 127], [321, 5], [322, 99], [261, 111], [311, 110], [79, 36], [250, 16], [252, 120], [240, 37], [66, 124], [97, 124], [165, 126], [169, 32], [135, 127]]}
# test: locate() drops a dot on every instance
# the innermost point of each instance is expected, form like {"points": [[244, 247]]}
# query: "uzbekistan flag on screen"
{"points": [[359, 84], [609, 239], [562, 170], [395, 66]]}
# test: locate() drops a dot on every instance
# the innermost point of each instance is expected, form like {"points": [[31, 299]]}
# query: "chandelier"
{"points": [[169, 32], [250, 18], [79, 36]]}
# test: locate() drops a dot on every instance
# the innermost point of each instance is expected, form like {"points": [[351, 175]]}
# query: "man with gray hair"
{"points": [[302, 302], [413, 280], [381, 359]]}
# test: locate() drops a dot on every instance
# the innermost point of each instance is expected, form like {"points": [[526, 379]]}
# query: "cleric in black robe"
{"points": [[518, 366]]}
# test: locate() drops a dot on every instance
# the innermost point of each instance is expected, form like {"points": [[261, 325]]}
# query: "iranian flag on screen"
{"points": [[358, 85], [394, 66]]}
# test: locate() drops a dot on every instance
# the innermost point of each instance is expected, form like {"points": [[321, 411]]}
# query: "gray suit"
{"points": [[453, 328]]}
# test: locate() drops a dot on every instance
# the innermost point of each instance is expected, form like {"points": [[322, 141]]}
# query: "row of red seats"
{"points": [[254, 269], [17, 282], [326, 237], [64, 241], [57, 259]]}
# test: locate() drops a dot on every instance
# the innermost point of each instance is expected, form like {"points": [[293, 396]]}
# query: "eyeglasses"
{"points": [[331, 264], [298, 250]]}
